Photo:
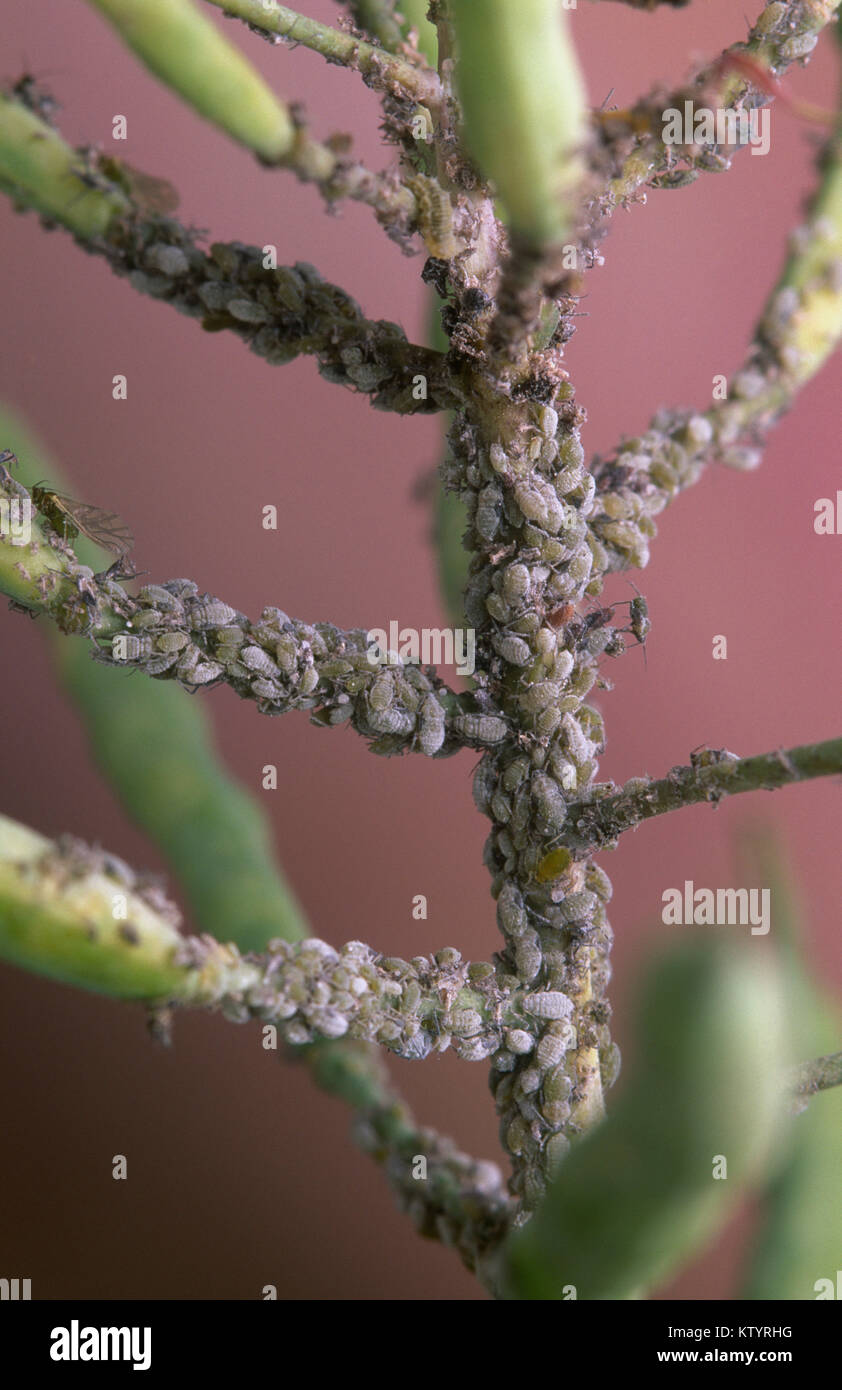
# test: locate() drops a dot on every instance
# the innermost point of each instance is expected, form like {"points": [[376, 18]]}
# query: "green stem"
{"points": [[523, 102], [181, 46], [715, 773], [382, 69], [377, 18], [818, 1075]]}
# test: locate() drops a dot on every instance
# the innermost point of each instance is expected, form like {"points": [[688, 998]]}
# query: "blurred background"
{"points": [[240, 1173]]}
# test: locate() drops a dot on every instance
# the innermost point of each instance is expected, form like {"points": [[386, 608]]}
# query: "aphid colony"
{"points": [[283, 664], [532, 506]]}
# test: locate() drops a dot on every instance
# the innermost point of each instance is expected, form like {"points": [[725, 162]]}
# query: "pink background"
{"points": [[240, 1174]]}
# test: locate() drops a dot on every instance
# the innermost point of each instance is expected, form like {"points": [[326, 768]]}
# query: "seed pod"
{"points": [[480, 729], [551, 1004]]}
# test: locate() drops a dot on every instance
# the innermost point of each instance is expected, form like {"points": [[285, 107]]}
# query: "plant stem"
{"points": [[818, 1075], [713, 774], [382, 69], [180, 45]]}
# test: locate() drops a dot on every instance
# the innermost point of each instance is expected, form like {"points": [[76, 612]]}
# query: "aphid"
{"points": [[513, 650], [480, 728], [488, 513], [484, 783], [149, 193], [639, 618], [36, 99], [211, 612], [431, 726], [550, 1004], [7, 457], [260, 661], [67, 518], [434, 215]]}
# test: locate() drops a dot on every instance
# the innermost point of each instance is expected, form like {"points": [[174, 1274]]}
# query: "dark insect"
{"points": [[67, 518], [7, 457], [149, 193], [36, 99]]}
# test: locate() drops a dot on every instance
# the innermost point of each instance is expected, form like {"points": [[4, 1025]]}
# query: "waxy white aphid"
{"points": [[431, 726], [516, 582], [548, 801], [578, 745], [309, 680], [798, 46], [515, 773], [551, 1004], [125, 646], [557, 1084], [558, 1146], [577, 906], [179, 588], [488, 513], [256, 659], [476, 1049], [532, 503], [555, 1044], [267, 690], [528, 1082], [511, 912], [193, 669], [160, 662], [480, 728], [501, 807], [464, 1023], [382, 692], [556, 1112], [513, 649], [519, 1041], [391, 721], [204, 613], [528, 957], [158, 596], [484, 783]]}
